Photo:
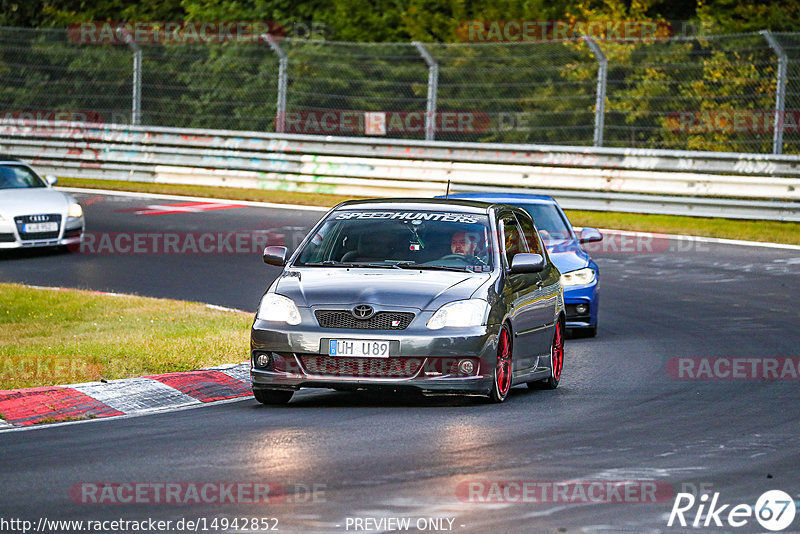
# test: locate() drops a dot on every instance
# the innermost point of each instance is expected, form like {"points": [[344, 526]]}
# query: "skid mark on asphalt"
{"points": [[182, 207]]}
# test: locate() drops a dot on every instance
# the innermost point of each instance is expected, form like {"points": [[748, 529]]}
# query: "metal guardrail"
{"points": [[750, 186]]}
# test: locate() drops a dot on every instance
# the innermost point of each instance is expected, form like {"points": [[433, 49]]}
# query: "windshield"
{"points": [[549, 222], [18, 177], [401, 239]]}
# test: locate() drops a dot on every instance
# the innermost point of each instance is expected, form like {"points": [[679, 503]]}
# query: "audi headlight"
{"points": [[577, 278], [279, 309], [75, 210], [460, 313]]}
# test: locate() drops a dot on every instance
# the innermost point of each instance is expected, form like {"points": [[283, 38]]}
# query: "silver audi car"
{"points": [[448, 297], [32, 213]]}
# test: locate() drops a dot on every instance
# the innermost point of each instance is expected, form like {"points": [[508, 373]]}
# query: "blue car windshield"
{"points": [[401, 239], [549, 221], [18, 177]]}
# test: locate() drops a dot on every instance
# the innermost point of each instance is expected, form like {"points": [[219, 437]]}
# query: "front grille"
{"points": [[362, 367], [27, 219], [387, 320]]}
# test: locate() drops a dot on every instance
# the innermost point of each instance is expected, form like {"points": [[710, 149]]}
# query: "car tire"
{"points": [[272, 396], [556, 361], [501, 384]]}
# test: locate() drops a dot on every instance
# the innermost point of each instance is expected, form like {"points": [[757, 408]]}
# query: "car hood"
{"points": [[33, 200], [423, 290], [567, 255]]}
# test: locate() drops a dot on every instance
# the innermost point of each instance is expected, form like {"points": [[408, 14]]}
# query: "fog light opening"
{"points": [[263, 360], [466, 367], [582, 308]]}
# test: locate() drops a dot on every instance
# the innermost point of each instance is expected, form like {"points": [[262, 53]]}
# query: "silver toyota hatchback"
{"points": [[442, 296]]}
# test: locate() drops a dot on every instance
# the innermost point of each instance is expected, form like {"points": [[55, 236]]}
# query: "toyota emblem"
{"points": [[363, 311]]}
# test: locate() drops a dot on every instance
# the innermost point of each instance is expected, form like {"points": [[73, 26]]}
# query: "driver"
{"points": [[463, 243]]}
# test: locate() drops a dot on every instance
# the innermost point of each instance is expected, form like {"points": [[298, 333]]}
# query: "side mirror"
{"points": [[527, 263], [51, 180], [275, 256], [590, 235]]}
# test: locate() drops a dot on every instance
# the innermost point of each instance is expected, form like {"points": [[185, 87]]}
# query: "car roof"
{"points": [[506, 198], [455, 205]]}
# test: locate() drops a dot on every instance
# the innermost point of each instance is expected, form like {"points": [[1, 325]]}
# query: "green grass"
{"points": [[766, 231], [231, 193], [70, 336]]}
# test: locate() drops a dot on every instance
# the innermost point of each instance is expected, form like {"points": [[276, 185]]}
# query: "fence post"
{"points": [[433, 86], [780, 92], [136, 90], [600, 103], [283, 66]]}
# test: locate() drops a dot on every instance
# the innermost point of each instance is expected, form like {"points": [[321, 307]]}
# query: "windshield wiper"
{"points": [[334, 263], [430, 267], [327, 263]]}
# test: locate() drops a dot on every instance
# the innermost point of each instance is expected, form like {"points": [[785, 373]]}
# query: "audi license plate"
{"points": [[35, 228], [360, 348]]}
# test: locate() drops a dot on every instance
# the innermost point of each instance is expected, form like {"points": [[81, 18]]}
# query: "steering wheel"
{"points": [[472, 260]]}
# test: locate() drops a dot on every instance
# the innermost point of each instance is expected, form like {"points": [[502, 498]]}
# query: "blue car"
{"points": [[580, 275]]}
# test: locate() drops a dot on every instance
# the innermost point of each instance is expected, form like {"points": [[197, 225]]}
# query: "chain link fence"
{"points": [[717, 93]]}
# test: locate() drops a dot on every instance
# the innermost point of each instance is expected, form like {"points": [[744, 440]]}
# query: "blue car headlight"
{"points": [[460, 313], [578, 278], [278, 308]]}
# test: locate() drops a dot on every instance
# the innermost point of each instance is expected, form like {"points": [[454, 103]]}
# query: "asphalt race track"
{"points": [[622, 413]]}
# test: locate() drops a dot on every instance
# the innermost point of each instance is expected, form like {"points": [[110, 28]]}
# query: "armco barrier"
{"points": [[751, 186]]}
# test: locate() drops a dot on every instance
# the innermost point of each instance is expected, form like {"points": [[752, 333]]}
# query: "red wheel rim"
{"points": [[558, 352], [504, 362]]}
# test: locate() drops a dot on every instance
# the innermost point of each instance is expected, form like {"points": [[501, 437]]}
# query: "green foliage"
{"points": [[529, 92]]}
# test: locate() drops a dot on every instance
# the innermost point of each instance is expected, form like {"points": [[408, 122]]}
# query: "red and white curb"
{"points": [[127, 396]]}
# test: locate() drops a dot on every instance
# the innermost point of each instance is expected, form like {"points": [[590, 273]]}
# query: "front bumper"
{"points": [[69, 233], [588, 295], [421, 359]]}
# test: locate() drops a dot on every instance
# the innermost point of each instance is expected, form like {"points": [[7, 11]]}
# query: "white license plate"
{"points": [[35, 228], [359, 348]]}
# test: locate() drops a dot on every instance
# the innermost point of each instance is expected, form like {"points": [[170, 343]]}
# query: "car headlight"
{"points": [[278, 308], [460, 313], [577, 278], [75, 210]]}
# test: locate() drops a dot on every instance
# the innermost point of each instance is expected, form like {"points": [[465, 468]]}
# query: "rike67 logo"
{"points": [[774, 511]]}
